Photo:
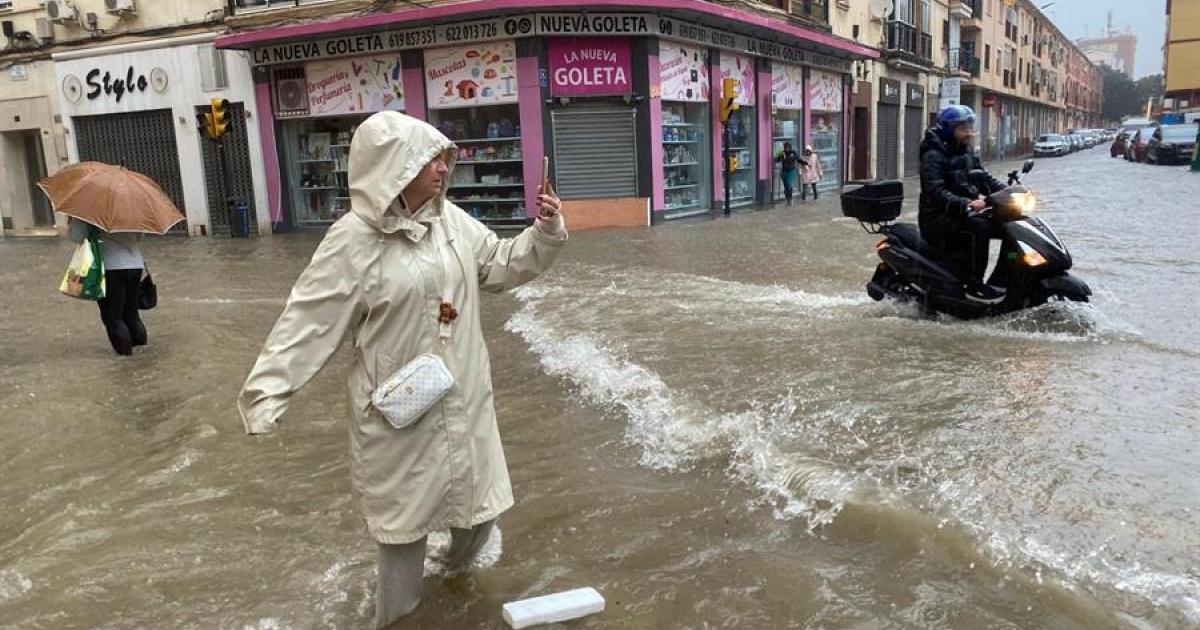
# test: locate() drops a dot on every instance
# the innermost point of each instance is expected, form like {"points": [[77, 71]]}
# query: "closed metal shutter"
{"points": [[913, 130], [140, 141], [888, 142], [241, 180], [595, 151]]}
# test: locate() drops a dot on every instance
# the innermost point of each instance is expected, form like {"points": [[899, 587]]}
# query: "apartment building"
{"points": [[121, 81], [1181, 57], [1026, 77]]}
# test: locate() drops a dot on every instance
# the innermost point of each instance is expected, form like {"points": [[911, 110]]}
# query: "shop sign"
{"points": [[465, 76], [742, 69], [989, 100], [916, 95], [540, 24], [19, 72], [590, 66], [683, 73], [824, 91], [951, 89], [115, 85], [889, 91], [356, 85], [787, 86]]}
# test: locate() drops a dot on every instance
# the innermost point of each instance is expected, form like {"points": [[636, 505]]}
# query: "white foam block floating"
{"points": [[553, 608]]}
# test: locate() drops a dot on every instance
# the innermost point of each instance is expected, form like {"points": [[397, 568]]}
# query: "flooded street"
{"points": [[710, 422]]}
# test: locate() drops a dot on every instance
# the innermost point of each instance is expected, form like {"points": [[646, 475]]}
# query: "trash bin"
{"points": [[240, 221]]}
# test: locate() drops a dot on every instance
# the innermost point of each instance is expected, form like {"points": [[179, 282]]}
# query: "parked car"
{"points": [[1171, 144], [1117, 148], [1089, 140], [1136, 149], [1076, 141], [1051, 144]]}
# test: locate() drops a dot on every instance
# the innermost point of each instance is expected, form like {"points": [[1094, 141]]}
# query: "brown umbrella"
{"points": [[112, 198]]}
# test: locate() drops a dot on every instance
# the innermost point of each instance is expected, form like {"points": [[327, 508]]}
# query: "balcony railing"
{"points": [[905, 38], [812, 10], [962, 60]]}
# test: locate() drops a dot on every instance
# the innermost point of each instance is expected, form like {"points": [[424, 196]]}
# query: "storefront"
{"points": [[914, 127], [622, 103], [30, 147], [787, 117], [136, 105], [826, 103]]}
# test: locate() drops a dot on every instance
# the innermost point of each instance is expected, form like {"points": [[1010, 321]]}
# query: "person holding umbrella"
{"points": [[117, 207]]}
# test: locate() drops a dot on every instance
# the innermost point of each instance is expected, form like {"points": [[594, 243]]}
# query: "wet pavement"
{"points": [[708, 421]]}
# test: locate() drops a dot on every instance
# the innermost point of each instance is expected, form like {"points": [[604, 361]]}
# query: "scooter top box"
{"points": [[877, 202]]}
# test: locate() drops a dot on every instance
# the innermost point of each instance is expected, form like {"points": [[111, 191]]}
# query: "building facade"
{"points": [[1181, 58], [893, 96], [121, 82], [1026, 77], [621, 95]]}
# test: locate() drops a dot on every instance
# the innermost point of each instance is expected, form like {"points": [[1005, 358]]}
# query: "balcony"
{"points": [[811, 10], [962, 62], [962, 8], [906, 44], [975, 22]]}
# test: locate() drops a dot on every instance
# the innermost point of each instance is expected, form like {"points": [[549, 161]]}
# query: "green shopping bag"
{"points": [[84, 278]]}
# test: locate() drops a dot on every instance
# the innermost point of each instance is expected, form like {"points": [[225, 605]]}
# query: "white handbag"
{"points": [[408, 393], [417, 386]]}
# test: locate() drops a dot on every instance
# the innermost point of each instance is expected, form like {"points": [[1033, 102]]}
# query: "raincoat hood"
{"points": [[387, 152]]}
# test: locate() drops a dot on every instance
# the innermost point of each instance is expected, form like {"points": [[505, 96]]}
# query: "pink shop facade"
{"points": [[622, 97]]}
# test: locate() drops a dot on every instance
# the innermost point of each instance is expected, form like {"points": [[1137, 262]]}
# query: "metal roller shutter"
{"points": [[888, 142], [140, 141], [237, 155], [595, 151], [912, 140]]}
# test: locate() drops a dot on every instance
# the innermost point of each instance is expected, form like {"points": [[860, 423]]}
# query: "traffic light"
{"points": [[733, 162], [204, 123], [220, 118], [730, 89]]}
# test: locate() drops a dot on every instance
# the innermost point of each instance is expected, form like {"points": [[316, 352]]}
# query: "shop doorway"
{"points": [[241, 179], [141, 141], [35, 170], [888, 140], [913, 132], [595, 151], [862, 139]]}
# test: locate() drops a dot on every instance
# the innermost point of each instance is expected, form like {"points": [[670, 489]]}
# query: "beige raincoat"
{"points": [[378, 278]]}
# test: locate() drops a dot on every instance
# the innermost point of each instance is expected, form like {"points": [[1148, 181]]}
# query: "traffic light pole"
{"points": [[226, 185], [725, 174]]}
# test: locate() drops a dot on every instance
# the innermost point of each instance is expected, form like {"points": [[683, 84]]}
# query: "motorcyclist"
{"points": [[952, 198]]}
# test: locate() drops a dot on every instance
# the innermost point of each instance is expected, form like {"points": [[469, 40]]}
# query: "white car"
{"points": [[1051, 144]]}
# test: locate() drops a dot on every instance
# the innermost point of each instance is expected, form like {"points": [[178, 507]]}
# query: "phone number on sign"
{"points": [[465, 32]]}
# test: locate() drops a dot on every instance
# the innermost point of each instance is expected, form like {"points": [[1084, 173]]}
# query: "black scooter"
{"points": [[1033, 261]]}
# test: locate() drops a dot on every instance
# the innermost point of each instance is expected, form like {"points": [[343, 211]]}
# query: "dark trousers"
{"points": [[975, 233], [119, 309], [804, 191]]}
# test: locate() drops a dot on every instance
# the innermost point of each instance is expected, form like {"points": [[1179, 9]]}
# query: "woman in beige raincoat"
{"points": [[378, 278]]}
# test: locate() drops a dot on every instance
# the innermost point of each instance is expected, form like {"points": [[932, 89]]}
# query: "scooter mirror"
{"points": [[1028, 166]]}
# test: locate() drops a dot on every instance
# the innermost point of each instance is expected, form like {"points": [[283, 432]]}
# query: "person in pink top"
{"points": [[810, 172]]}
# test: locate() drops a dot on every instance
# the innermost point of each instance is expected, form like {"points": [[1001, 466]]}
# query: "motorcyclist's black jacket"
{"points": [[946, 188]]}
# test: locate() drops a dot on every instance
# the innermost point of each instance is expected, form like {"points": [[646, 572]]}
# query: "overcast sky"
{"points": [[1146, 18]]}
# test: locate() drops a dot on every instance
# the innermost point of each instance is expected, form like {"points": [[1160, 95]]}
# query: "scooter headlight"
{"points": [[1025, 202], [1031, 257]]}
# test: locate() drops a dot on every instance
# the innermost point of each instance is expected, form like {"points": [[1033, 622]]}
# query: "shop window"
{"points": [[318, 158], [686, 146], [488, 181]]}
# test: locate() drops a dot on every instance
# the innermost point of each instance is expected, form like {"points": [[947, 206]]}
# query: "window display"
{"points": [[825, 99], [685, 158], [488, 180], [743, 130], [317, 152], [787, 98], [686, 145]]}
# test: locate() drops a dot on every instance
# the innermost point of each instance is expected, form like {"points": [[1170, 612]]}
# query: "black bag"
{"points": [[147, 293]]}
